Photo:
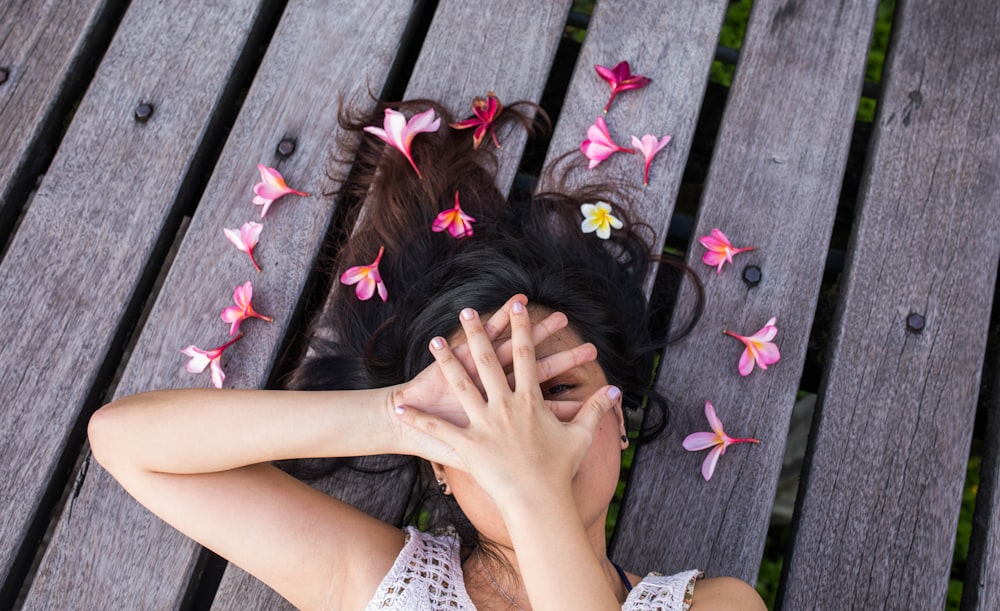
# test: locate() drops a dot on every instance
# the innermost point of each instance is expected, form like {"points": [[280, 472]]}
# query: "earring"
{"points": [[624, 438], [443, 486]]}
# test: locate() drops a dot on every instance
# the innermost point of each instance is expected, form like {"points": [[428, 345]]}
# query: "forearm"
{"points": [[202, 431]]}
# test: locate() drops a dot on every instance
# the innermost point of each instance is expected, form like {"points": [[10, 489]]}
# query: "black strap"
{"points": [[625, 580]]}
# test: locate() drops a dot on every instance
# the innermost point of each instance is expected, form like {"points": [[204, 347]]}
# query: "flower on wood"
{"points": [[760, 350], [271, 187], [598, 218], [621, 79], [599, 146], [455, 221], [649, 146], [720, 249], [485, 111], [236, 314], [245, 238], [399, 132], [367, 279], [717, 440], [203, 358]]}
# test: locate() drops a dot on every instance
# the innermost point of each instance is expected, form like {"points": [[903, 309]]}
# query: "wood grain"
{"points": [[68, 279], [45, 51], [884, 482], [773, 183]]}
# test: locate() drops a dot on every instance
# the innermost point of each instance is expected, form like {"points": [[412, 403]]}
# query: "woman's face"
{"points": [[595, 482]]}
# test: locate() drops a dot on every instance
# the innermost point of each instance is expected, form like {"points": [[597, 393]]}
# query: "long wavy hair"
{"points": [[532, 246]]}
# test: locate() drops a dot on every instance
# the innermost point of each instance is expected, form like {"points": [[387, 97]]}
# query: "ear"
{"points": [[438, 470]]}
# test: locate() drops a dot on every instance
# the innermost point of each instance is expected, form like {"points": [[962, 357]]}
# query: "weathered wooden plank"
{"points": [[109, 552], [981, 584], [68, 281], [45, 51], [883, 485], [774, 183], [468, 51]]}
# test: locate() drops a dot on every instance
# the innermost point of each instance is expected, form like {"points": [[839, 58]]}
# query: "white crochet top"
{"points": [[427, 576]]}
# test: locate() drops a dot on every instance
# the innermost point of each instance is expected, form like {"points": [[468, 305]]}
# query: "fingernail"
{"points": [[438, 343], [468, 313], [614, 392], [400, 410], [518, 307]]}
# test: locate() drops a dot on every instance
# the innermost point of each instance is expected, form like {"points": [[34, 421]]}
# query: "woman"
{"points": [[519, 415]]}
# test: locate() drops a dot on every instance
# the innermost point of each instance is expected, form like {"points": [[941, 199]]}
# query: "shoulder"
{"points": [[725, 594]]}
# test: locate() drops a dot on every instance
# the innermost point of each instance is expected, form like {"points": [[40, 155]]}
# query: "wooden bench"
{"points": [[116, 182]]}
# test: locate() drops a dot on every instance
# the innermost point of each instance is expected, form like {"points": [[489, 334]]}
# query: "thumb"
{"points": [[596, 407]]}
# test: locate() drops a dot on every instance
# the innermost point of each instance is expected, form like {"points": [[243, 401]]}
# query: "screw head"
{"points": [[286, 147], [752, 275], [143, 112], [915, 322]]}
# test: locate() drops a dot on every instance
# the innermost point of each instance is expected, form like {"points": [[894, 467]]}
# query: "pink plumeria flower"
{"points": [[243, 309], [720, 249], [649, 146], [597, 217], [717, 440], [203, 358], [245, 238], [399, 132], [485, 111], [455, 221], [621, 79], [599, 146], [271, 187], [367, 279], [760, 349]]}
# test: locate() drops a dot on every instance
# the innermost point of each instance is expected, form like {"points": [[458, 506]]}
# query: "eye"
{"points": [[558, 389]]}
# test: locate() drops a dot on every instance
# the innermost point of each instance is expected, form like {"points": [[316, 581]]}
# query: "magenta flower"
{"points": [[243, 309], [485, 112], [399, 132], [621, 79], [271, 187], [599, 146], [203, 358], [717, 440], [649, 146], [367, 278], [760, 349], [720, 249], [245, 238], [455, 221]]}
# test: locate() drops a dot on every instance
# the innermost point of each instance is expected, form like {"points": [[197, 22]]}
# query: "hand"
{"points": [[513, 444]]}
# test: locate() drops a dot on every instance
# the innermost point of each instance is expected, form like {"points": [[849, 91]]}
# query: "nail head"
{"points": [[286, 147], [915, 322], [752, 275], [143, 112]]}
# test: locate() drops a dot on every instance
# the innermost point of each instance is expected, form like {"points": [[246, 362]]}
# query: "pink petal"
{"points": [[768, 355], [713, 419], [423, 122], [269, 191], [718, 235], [355, 274], [708, 467], [379, 132], [365, 289], [382, 291], [218, 376], [269, 174], [700, 441], [746, 363], [199, 360]]}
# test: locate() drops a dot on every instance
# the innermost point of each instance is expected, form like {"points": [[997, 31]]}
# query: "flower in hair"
{"points": [[203, 358], [720, 249], [367, 279], [485, 111], [649, 146], [717, 440], [760, 350], [621, 79], [399, 132], [597, 217], [599, 146], [271, 187], [245, 238], [455, 221], [235, 314]]}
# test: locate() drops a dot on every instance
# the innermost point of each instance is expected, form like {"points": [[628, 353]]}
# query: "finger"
{"points": [[496, 323], [454, 372], [491, 373], [540, 331], [596, 407], [561, 362], [436, 438], [525, 365]]}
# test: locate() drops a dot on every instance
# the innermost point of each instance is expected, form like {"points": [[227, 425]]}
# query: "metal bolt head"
{"points": [[143, 112], [286, 147], [4, 74], [915, 322], [752, 275]]}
